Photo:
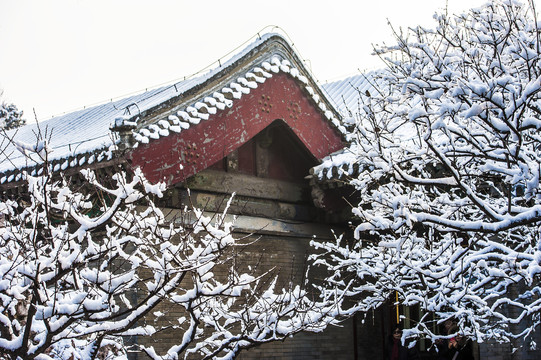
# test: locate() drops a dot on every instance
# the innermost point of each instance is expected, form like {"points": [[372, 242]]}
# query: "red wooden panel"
{"points": [[247, 158], [218, 165], [202, 145], [288, 158]]}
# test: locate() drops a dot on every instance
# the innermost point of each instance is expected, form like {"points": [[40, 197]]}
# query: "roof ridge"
{"points": [[209, 104], [222, 61]]}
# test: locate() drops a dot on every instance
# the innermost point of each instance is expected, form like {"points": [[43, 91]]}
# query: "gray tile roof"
{"points": [[85, 136], [346, 95]]}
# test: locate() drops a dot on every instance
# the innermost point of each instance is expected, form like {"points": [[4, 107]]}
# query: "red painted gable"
{"points": [[178, 156]]}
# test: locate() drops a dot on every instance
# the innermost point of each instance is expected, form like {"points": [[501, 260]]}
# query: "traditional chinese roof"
{"points": [[345, 92], [85, 136], [342, 164]]}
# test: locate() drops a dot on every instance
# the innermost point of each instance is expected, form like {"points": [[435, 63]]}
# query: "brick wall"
{"points": [[288, 256]]}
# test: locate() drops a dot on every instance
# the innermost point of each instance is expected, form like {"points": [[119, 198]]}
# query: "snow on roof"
{"points": [[345, 93], [85, 136], [81, 132], [338, 165], [346, 96]]}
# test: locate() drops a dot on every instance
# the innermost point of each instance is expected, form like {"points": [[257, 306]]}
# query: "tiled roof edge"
{"points": [[211, 103], [223, 97], [205, 105], [58, 165]]}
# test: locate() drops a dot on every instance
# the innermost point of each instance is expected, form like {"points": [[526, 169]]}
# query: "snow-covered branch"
{"points": [[449, 154], [85, 263]]}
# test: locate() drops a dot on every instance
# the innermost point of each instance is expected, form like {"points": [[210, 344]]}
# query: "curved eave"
{"points": [[220, 92], [215, 93], [177, 156]]}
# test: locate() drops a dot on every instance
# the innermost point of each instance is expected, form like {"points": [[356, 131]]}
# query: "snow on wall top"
{"points": [[85, 136]]}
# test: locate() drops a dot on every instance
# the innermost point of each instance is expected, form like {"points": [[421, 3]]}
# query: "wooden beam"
{"points": [[246, 185], [259, 225], [242, 205]]}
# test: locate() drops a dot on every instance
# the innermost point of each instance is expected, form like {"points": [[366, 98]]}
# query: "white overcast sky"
{"points": [[60, 55]]}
